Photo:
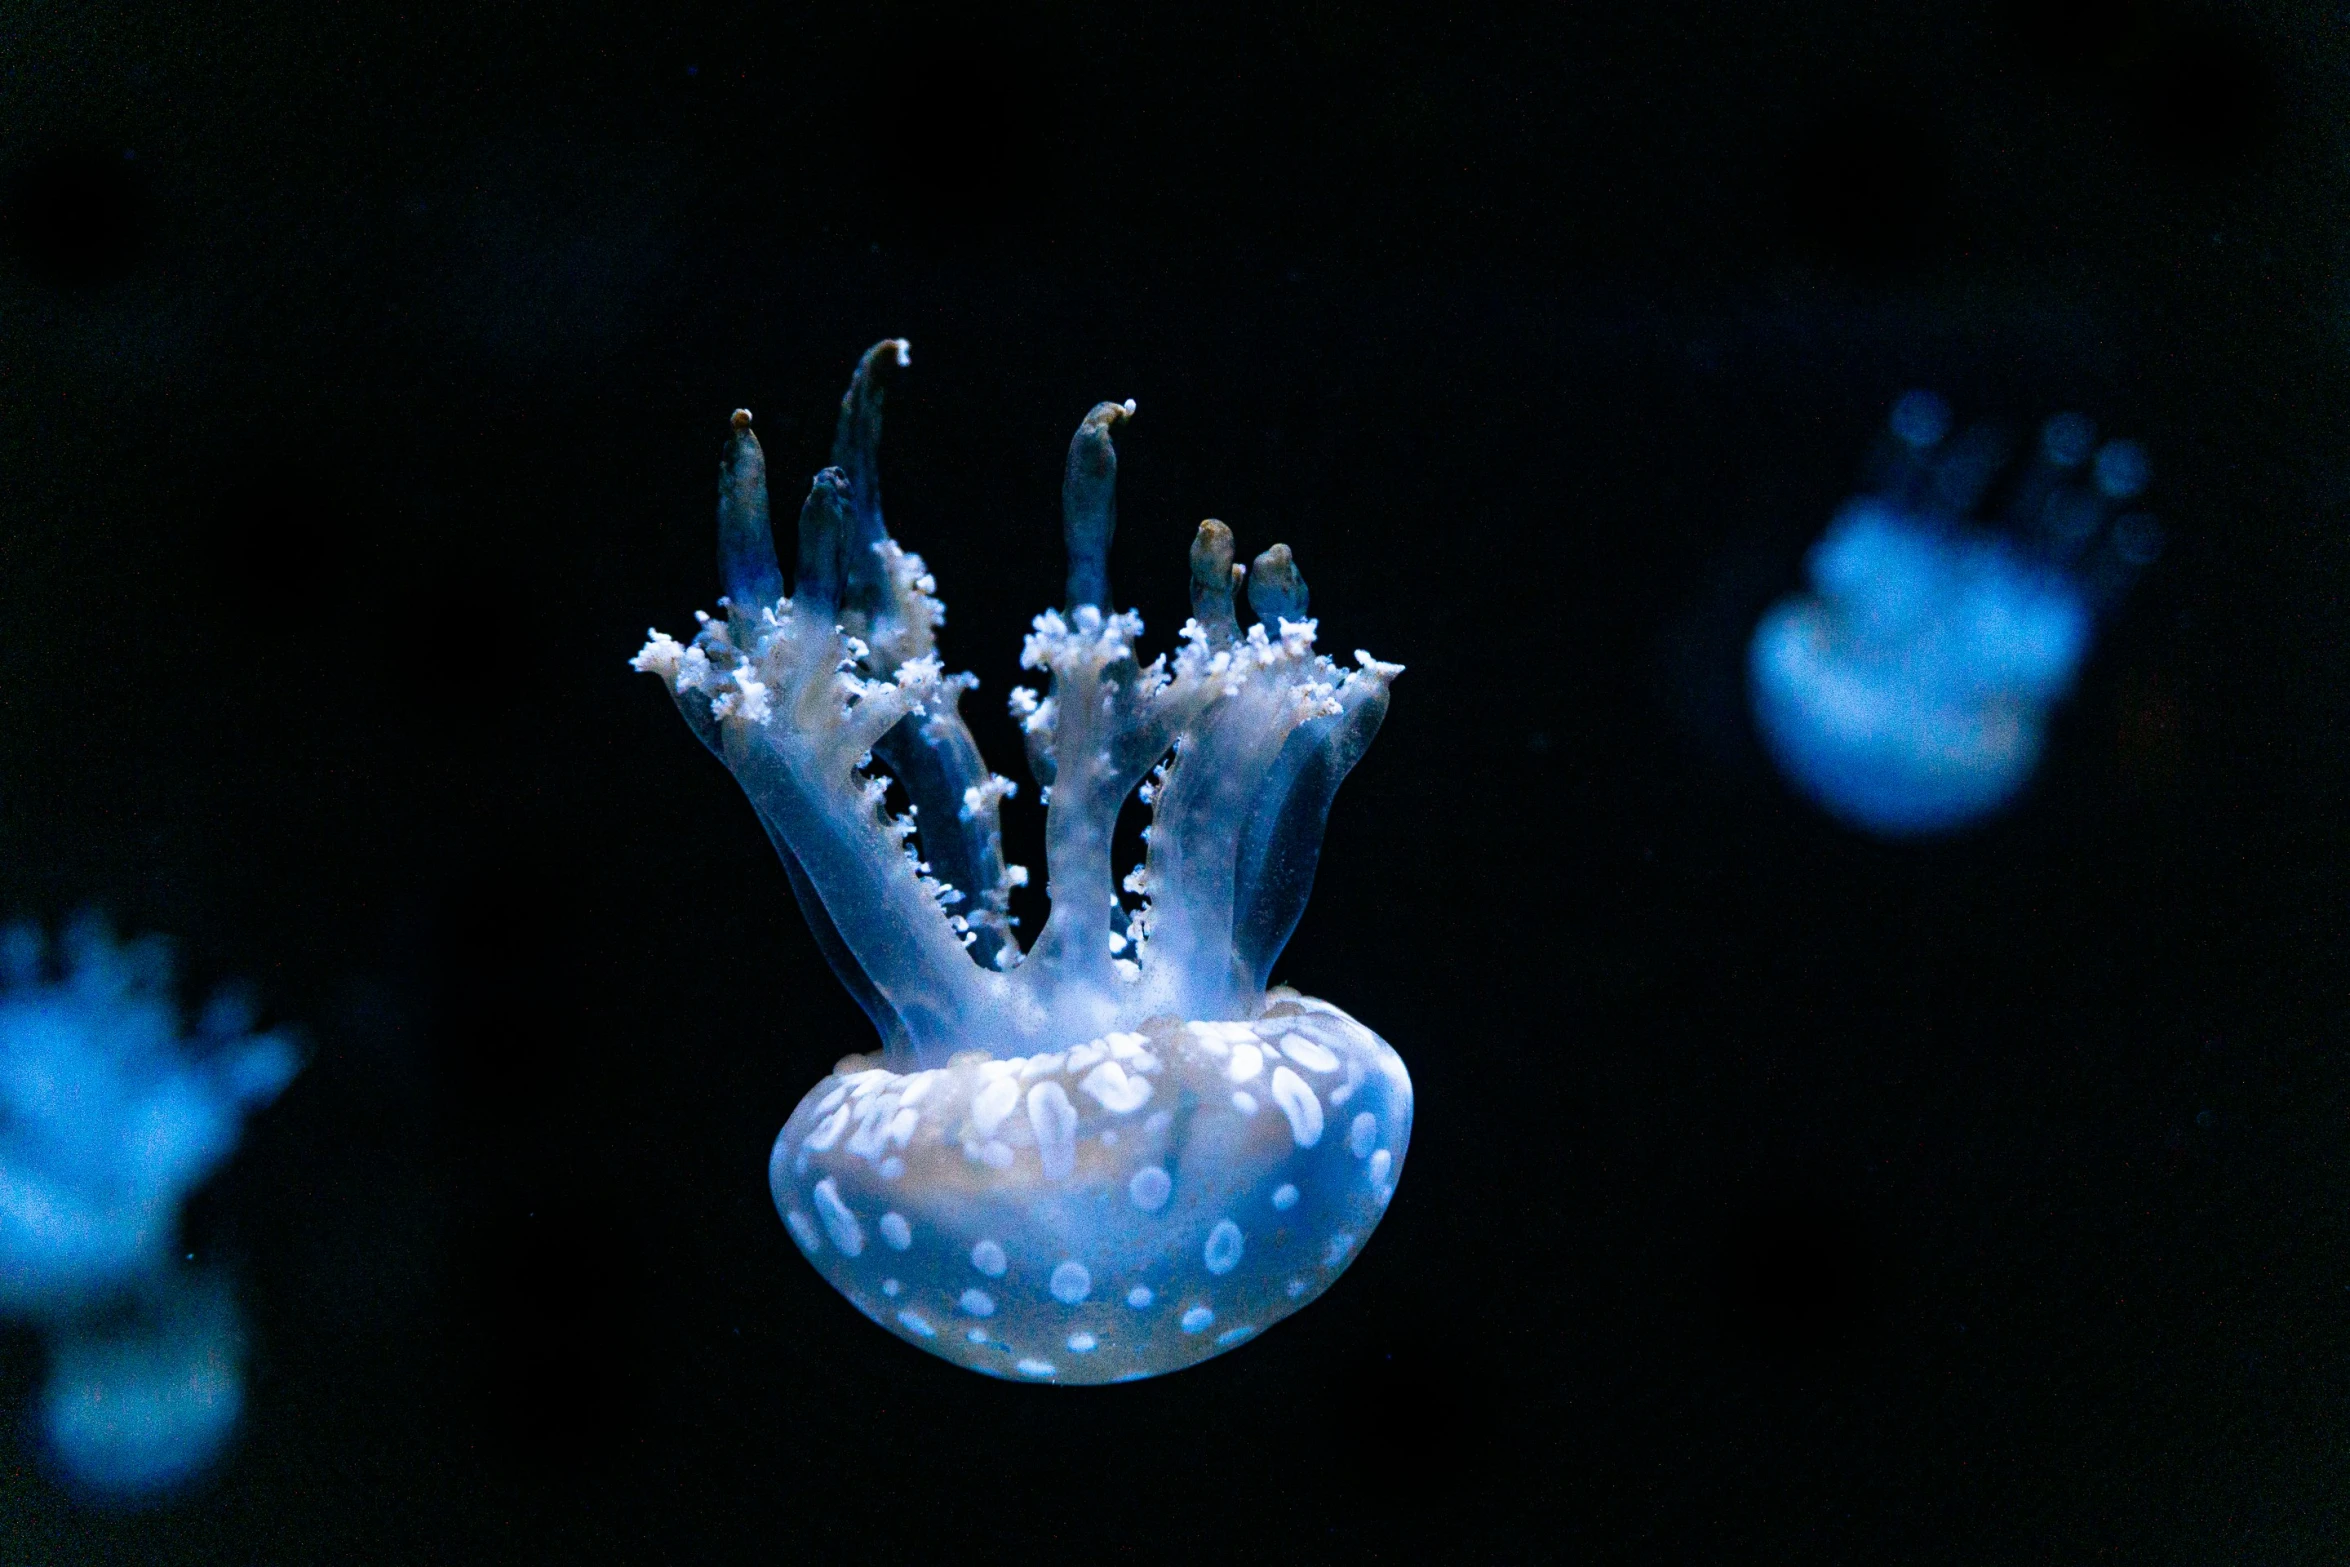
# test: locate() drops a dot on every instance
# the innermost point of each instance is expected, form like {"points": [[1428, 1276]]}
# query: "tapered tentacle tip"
{"points": [[1089, 503], [1211, 558], [742, 444], [891, 353], [1920, 419], [1213, 577], [825, 526], [1275, 589], [1104, 418]]}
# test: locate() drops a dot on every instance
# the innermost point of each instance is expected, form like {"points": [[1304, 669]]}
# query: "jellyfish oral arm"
{"points": [[801, 694]]}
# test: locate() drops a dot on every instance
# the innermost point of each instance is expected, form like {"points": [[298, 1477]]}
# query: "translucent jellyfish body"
{"points": [[141, 1400], [1910, 691], [1113, 1153], [109, 1118]]}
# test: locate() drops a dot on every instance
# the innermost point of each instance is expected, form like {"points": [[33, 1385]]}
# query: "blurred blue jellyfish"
{"points": [[143, 1397], [109, 1118], [1910, 690], [1114, 1153]]}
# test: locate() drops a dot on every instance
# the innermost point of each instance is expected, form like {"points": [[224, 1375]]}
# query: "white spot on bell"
{"points": [[1232, 1336], [1149, 1188], [913, 1320], [1362, 1134], [1284, 1197], [896, 1231], [1379, 1164], [1308, 1054], [1140, 1297], [1340, 1245], [1197, 1318], [1297, 1101], [829, 1133], [1055, 1121], [1247, 1061], [1114, 1090], [1245, 1102], [803, 1230], [891, 1288], [988, 1258], [978, 1303], [1071, 1282], [839, 1223], [1035, 1368], [1222, 1253], [992, 1103], [1083, 1343]]}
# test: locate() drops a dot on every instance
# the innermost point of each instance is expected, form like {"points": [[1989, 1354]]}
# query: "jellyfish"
{"points": [[109, 1118], [143, 1397], [1115, 1151], [1909, 692]]}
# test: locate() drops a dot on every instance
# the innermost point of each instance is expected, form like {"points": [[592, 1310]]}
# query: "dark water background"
{"points": [[1776, 1194]]}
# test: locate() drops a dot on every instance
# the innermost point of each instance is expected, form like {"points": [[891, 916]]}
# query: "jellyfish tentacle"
{"points": [[1111, 720], [746, 541], [801, 696], [856, 447], [835, 947], [1262, 689], [1963, 468], [888, 601], [1275, 590], [1213, 577], [1089, 504], [794, 721], [1281, 847]]}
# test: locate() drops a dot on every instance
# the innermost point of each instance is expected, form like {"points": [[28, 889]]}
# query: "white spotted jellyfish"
{"points": [[1910, 691], [1116, 1152]]}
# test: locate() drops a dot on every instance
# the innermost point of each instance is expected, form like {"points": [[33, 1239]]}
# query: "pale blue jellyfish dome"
{"points": [[1115, 1152], [1910, 690], [140, 1401]]}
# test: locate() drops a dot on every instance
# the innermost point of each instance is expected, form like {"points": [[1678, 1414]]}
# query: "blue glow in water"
{"points": [[141, 1401], [1910, 690], [109, 1117], [1079, 1140]]}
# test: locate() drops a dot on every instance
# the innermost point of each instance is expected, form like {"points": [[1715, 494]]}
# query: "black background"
{"points": [[1777, 1194]]}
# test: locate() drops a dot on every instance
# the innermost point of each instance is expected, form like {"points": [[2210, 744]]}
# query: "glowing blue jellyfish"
{"points": [[108, 1119], [1118, 1152], [1909, 692], [143, 1397]]}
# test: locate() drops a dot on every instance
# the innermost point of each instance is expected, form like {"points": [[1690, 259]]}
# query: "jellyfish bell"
{"points": [[1909, 691], [1125, 1207], [1114, 1152], [144, 1398]]}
